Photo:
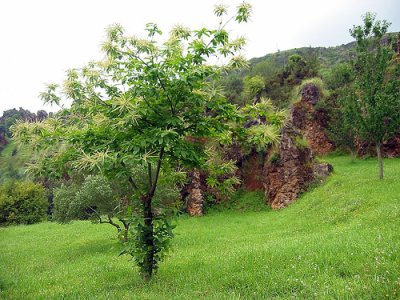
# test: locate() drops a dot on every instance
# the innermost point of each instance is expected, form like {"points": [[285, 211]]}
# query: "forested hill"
{"points": [[275, 75], [328, 56]]}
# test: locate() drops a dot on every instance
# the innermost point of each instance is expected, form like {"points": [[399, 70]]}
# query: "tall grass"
{"points": [[339, 241]]}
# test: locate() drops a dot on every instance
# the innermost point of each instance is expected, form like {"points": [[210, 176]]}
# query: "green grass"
{"points": [[339, 241]]}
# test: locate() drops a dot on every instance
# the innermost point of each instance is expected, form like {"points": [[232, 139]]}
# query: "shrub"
{"points": [[22, 202]]}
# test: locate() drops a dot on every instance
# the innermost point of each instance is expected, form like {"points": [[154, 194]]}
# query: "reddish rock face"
{"points": [[282, 178], [290, 174], [312, 123], [195, 199], [251, 172], [391, 148], [286, 177]]}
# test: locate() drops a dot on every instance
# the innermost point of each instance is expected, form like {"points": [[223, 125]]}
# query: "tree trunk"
{"points": [[149, 263], [378, 151]]}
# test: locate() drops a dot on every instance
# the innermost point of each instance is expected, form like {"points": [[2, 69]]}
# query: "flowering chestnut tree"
{"points": [[137, 114]]}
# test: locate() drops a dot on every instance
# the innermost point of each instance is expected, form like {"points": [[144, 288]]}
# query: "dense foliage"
{"points": [[106, 202], [22, 202]]}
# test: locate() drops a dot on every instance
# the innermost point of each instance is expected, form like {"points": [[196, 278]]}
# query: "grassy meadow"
{"points": [[341, 240]]}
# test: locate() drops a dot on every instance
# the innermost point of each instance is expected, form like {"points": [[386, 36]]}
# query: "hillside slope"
{"points": [[13, 161], [339, 241]]}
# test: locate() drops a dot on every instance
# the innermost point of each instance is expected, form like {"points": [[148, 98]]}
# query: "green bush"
{"points": [[340, 76], [22, 202]]}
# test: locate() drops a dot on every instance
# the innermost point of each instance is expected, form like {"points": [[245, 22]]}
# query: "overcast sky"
{"points": [[41, 39]]}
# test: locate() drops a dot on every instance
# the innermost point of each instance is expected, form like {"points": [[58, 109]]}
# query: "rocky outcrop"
{"points": [[283, 173], [310, 121], [195, 198], [321, 170], [290, 172]]}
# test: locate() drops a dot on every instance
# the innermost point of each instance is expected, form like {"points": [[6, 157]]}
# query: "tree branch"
{"points": [[150, 175], [101, 221], [152, 108], [113, 224], [97, 214], [130, 179]]}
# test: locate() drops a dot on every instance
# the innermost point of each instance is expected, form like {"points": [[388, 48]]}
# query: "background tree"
{"points": [[140, 110], [341, 128], [95, 200], [375, 102], [106, 202]]}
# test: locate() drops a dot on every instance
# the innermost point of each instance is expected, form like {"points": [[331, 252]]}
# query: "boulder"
{"points": [[321, 170]]}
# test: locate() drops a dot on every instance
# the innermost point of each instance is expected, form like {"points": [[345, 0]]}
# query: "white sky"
{"points": [[41, 39]]}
